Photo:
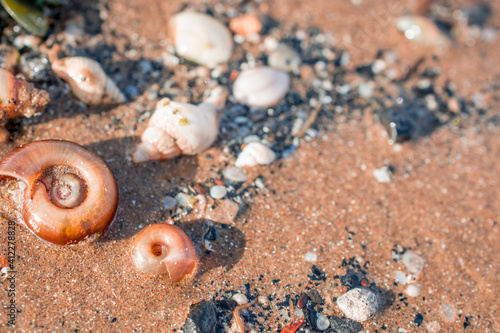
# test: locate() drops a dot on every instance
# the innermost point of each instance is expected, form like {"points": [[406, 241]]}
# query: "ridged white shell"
{"points": [[255, 153], [422, 30], [88, 80], [261, 86], [180, 128], [201, 38]]}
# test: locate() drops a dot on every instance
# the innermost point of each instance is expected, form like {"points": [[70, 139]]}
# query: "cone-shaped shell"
{"points": [[201, 38], [255, 153], [19, 98], [88, 80], [261, 86]]}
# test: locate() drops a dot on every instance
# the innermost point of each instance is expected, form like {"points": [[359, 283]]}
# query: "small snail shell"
{"points": [[88, 80], [422, 30], [180, 128], [70, 196], [19, 98], [163, 248], [201, 38], [255, 153], [261, 86]]}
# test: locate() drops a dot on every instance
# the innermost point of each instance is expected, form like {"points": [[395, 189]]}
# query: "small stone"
{"points": [[225, 212], [182, 199], [448, 312], [35, 67], [322, 322], [413, 262], [413, 290], [262, 300], [235, 174], [360, 304], [344, 325], [218, 192], [168, 202], [366, 90], [202, 318], [382, 175], [284, 314], [245, 25], [433, 327], [400, 278], [311, 257], [240, 298]]}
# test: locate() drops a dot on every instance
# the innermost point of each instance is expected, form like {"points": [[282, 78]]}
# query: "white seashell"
{"points": [[422, 30], [88, 80], [255, 153], [285, 58], [19, 97], [181, 128], [201, 38], [261, 86]]}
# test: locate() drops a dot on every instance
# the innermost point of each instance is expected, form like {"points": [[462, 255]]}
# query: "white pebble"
{"points": [[284, 314], [311, 257], [182, 199], [322, 323], [240, 298], [433, 327], [382, 175], [413, 262], [400, 278], [218, 192], [413, 290], [255, 153], [366, 90], [360, 304], [448, 312], [169, 202], [235, 174]]}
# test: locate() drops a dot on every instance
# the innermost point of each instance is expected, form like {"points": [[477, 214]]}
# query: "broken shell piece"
{"points": [[20, 98], [255, 153], [245, 25], [88, 80], [422, 30], [201, 38], [285, 58], [181, 128], [261, 86]]}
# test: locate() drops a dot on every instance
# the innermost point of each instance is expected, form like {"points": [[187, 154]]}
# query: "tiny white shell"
{"points": [[201, 38], [88, 80], [180, 128], [261, 86], [285, 58], [255, 153], [422, 30]]}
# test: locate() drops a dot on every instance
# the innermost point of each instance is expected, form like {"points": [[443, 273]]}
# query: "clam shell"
{"points": [[261, 86], [88, 80], [422, 30], [285, 58], [201, 38], [255, 153]]}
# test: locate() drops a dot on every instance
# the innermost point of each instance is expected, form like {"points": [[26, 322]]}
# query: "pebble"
{"points": [[218, 192], [413, 262], [433, 327], [400, 278], [344, 325], [240, 298], [413, 290], [366, 90], [201, 318], [247, 24], [168, 202], [182, 199], [448, 312], [235, 174], [311, 257], [262, 300], [35, 67], [360, 304], [382, 175], [322, 322], [225, 212]]}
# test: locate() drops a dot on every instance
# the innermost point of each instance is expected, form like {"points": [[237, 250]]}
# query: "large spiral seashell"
{"points": [[201, 38], [19, 98], [163, 248], [88, 80], [261, 86], [180, 128], [70, 193]]}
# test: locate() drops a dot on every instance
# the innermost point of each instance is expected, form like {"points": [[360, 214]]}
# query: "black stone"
{"points": [[344, 325], [419, 319], [202, 318]]}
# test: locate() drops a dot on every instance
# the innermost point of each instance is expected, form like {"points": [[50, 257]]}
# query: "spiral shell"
{"points": [[180, 128], [201, 38], [88, 80], [71, 195], [19, 98], [255, 153], [261, 86], [164, 248]]}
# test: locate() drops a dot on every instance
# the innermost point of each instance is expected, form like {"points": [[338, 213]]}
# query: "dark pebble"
{"points": [[344, 325], [419, 319], [35, 67], [202, 318]]}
